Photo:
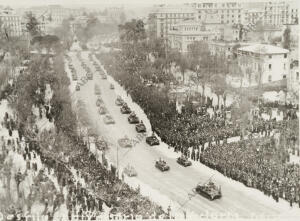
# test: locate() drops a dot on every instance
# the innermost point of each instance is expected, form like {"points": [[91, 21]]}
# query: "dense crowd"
{"points": [[257, 163], [100, 185], [256, 160], [84, 183]]}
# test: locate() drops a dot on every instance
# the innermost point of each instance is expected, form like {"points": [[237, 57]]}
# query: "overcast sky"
{"points": [[87, 2], [15, 3]]}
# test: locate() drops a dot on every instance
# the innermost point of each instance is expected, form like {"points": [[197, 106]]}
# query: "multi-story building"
{"points": [[10, 22], [263, 64], [186, 32], [280, 13], [55, 14], [162, 18], [252, 16], [225, 48], [293, 13], [78, 22], [220, 12], [115, 13]]}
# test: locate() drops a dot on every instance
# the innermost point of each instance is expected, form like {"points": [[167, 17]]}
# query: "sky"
{"points": [[22, 3], [87, 2]]}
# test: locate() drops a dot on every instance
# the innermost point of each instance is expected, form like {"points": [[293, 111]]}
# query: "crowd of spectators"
{"points": [[259, 159], [257, 163], [98, 183], [101, 184]]}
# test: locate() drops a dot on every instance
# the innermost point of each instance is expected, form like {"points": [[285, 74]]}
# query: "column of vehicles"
{"points": [[97, 67], [134, 119], [102, 110], [89, 74], [208, 190], [73, 71]]}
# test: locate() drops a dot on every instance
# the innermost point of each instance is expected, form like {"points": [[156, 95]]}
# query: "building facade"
{"points": [[115, 14], [252, 16], [281, 13], [220, 12], [54, 14], [262, 64], [80, 21], [10, 22], [185, 33], [162, 19]]}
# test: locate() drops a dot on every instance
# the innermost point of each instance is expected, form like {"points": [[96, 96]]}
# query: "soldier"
{"points": [[18, 178]]}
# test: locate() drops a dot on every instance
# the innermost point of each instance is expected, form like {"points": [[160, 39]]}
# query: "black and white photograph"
{"points": [[149, 110]]}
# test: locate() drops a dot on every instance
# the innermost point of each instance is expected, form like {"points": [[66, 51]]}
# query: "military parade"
{"points": [[177, 110]]}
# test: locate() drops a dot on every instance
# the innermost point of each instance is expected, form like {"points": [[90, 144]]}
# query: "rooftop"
{"points": [[174, 9], [264, 49]]}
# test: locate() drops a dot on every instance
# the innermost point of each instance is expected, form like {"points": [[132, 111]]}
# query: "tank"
{"points": [[130, 171], [209, 190]]}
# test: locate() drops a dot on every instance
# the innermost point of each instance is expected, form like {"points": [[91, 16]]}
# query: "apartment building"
{"points": [[252, 16], [220, 12], [263, 63], [115, 14], [162, 19], [280, 13], [78, 22], [10, 22], [55, 14]]}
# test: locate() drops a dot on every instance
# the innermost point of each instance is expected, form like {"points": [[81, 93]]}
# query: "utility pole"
{"points": [[118, 160]]}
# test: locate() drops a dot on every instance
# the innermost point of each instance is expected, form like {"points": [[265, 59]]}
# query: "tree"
{"points": [[47, 41], [220, 87], [32, 25], [133, 31], [122, 18], [50, 17], [201, 62], [93, 28], [64, 33], [183, 64], [287, 38], [234, 69]]}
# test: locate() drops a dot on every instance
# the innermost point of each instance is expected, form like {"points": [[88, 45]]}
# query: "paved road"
{"points": [[179, 181]]}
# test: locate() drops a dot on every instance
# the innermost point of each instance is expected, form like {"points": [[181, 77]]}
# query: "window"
{"points": [[285, 55], [284, 76], [284, 66], [297, 76], [269, 78], [270, 56], [270, 67]]}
